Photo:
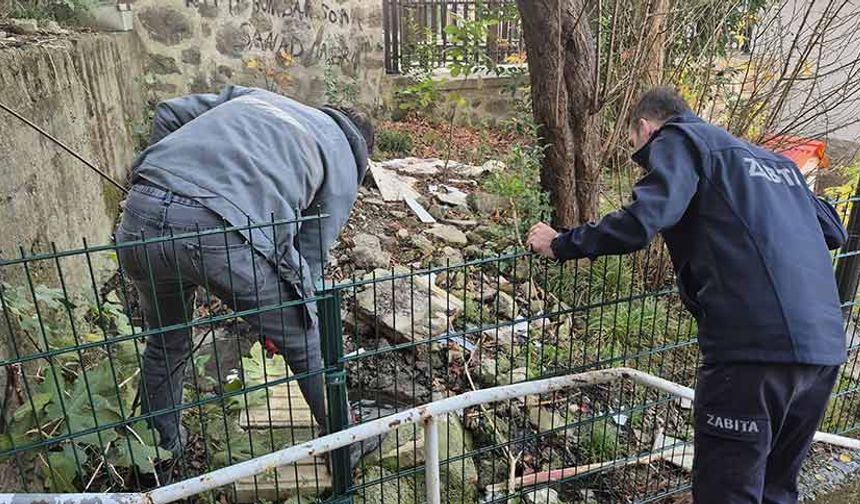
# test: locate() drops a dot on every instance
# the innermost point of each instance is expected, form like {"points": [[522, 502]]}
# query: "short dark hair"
{"points": [[363, 123], [658, 104]]}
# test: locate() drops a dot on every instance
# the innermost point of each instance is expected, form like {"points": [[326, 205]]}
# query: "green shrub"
{"points": [[422, 96], [599, 441], [58, 10], [394, 142]]}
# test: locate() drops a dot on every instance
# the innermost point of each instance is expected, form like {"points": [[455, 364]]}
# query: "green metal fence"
{"points": [[74, 337]]}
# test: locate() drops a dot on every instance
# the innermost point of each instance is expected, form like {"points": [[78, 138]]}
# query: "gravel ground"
{"points": [[831, 476]]}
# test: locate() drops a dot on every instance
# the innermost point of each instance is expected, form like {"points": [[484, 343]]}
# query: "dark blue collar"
{"points": [[641, 156], [355, 139]]}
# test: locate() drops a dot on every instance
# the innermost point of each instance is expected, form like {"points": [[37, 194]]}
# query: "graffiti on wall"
{"points": [[284, 9], [310, 32], [332, 48]]}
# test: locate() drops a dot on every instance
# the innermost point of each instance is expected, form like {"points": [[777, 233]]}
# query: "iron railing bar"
{"points": [[431, 460], [228, 475], [426, 271], [145, 416], [161, 330], [149, 241], [466, 332]]}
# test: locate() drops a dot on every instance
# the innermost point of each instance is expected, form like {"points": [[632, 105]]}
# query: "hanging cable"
{"points": [[65, 148]]}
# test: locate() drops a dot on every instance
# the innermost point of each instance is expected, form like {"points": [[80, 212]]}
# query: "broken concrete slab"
{"points": [[505, 336], [452, 196], [423, 244], [393, 186], [461, 223], [423, 167], [404, 449], [542, 496], [449, 234], [408, 308], [437, 211], [451, 255], [505, 306], [479, 171], [546, 419], [390, 490]]}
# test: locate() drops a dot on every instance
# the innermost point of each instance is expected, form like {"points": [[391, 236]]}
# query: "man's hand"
{"points": [[540, 239]]}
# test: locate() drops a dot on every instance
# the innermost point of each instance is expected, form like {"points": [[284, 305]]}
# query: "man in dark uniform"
{"points": [[749, 243]]}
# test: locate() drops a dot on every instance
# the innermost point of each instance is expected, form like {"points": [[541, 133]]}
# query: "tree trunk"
{"points": [[655, 17], [561, 59]]}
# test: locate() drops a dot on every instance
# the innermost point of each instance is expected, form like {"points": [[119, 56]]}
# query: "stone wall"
{"points": [[84, 90], [297, 47]]}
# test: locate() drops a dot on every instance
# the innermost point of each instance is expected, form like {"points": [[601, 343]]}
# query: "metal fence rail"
{"points": [[417, 33], [427, 415], [73, 341]]}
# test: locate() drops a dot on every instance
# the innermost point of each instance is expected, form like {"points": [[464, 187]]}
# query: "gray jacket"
{"points": [[252, 156]]}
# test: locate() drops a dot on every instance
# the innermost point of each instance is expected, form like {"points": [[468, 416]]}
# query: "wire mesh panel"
{"points": [[158, 363], [159, 366], [843, 413], [415, 336]]}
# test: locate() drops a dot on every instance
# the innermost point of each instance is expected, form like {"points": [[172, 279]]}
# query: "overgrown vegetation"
{"points": [[393, 142], [75, 394], [82, 399], [340, 91], [63, 11]]}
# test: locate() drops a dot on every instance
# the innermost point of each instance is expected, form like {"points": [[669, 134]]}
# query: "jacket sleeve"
{"points": [[170, 115], [314, 239], [316, 235], [659, 201], [834, 232]]}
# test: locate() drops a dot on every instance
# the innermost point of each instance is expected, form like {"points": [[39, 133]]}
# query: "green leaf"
{"points": [[84, 416], [39, 400], [100, 380], [10, 441], [63, 468], [148, 435], [130, 452], [54, 385]]}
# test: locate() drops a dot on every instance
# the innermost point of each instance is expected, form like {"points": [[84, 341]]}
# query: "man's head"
{"points": [[655, 107], [362, 123]]}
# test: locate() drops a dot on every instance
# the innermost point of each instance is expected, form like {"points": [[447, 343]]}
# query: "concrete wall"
{"points": [[842, 43], [84, 90], [296, 47]]}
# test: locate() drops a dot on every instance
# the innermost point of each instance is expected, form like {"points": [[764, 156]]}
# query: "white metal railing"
{"points": [[425, 415]]}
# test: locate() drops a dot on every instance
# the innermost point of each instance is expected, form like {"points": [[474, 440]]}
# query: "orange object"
{"points": [[806, 153]]}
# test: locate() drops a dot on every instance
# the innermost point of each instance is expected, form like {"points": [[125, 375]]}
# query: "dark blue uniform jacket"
{"points": [[749, 242]]}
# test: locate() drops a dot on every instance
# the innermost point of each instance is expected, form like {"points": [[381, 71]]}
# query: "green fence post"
{"points": [[331, 338]]}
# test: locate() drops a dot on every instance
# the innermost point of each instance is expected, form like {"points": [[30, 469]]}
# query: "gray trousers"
{"points": [[167, 275]]}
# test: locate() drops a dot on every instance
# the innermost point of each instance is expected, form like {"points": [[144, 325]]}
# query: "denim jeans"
{"points": [[167, 276]]}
